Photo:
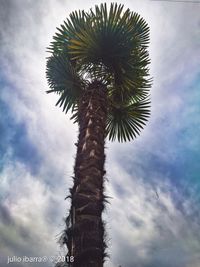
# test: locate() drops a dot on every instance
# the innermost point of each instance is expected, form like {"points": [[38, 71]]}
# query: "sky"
{"points": [[153, 218]]}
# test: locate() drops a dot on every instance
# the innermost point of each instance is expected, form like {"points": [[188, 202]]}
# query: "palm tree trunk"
{"points": [[86, 235]]}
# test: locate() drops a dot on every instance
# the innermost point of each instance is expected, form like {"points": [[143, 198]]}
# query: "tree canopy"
{"points": [[108, 45]]}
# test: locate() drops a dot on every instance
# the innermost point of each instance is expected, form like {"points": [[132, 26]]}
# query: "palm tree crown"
{"points": [[109, 46]]}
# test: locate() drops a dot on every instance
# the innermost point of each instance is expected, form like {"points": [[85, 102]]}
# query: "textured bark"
{"points": [[86, 236]]}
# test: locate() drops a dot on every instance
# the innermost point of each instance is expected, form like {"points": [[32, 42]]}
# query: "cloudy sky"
{"points": [[153, 218]]}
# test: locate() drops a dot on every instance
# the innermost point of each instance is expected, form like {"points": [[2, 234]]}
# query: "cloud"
{"points": [[150, 230], [31, 215], [16, 143]]}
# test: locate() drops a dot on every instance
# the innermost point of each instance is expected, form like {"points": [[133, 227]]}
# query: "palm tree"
{"points": [[99, 68]]}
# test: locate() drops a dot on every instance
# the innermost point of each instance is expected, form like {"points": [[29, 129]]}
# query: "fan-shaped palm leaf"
{"points": [[63, 80], [125, 121]]}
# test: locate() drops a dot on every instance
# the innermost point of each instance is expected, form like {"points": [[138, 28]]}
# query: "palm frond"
{"points": [[63, 80], [126, 121], [67, 31]]}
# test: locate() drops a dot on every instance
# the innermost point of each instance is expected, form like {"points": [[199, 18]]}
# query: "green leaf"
{"points": [[126, 121], [63, 80]]}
